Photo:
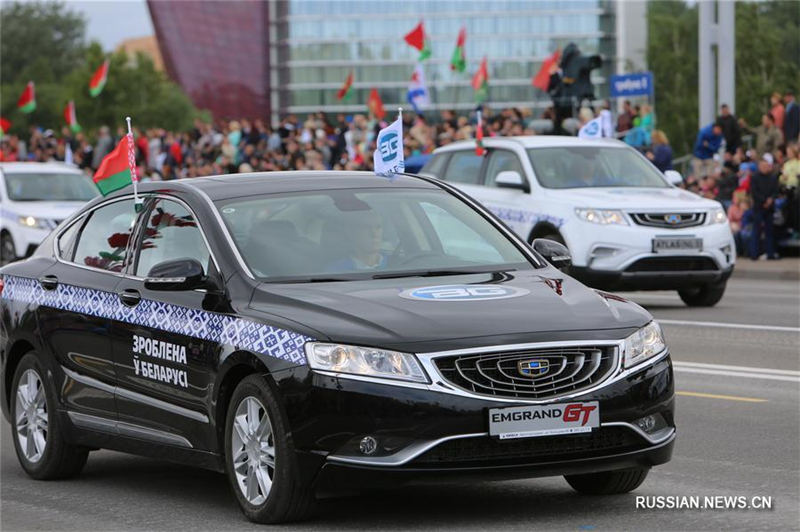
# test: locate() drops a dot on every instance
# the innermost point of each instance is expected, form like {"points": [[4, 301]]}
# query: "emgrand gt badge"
{"points": [[463, 292]]}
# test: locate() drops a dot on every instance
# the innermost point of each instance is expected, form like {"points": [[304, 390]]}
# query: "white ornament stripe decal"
{"points": [[240, 333]]}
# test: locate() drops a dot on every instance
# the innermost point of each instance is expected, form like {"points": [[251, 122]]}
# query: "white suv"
{"points": [[34, 199], [626, 225]]}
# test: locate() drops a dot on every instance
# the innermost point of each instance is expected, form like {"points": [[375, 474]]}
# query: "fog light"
{"points": [[368, 445], [647, 423]]}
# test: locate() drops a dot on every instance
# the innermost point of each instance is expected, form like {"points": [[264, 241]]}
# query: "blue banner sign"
{"points": [[638, 84]]}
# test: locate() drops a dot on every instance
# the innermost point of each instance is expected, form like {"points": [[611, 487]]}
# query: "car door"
{"points": [[164, 365], [512, 205], [79, 297]]}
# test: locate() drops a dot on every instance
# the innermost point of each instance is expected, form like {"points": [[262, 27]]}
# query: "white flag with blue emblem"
{"points": [[388, 157], [593, 129]]}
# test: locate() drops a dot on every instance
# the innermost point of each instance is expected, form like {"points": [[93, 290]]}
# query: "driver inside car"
{"points": [[363, 245]]}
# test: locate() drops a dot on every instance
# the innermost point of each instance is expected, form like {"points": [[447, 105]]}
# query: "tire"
{"points": [[703, 296], [42, 451], [7, 251], [287, 498], [608, 482]]}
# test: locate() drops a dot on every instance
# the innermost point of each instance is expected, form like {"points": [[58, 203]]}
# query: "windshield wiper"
{"points": [[430, 273]]}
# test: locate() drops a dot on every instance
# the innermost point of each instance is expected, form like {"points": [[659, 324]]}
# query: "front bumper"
{"points": [[662, 279], [437, 435]]}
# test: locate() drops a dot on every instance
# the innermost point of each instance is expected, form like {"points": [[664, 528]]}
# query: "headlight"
{"points": [[367, 361], [718, 216], [31, 221], [645, 343], [600, 216]]}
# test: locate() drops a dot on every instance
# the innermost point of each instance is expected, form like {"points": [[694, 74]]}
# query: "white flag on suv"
{"points": [[388, 156]]}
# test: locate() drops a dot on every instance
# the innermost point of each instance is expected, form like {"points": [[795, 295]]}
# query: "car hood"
{"points": [[547, 306], [50, 210], [630, 198]]}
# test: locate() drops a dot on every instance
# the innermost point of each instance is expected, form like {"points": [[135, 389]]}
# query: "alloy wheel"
{"points": [[31, 416], [253, 450]]}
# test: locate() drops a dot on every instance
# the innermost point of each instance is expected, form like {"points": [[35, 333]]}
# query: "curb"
{"points": [[766, 275]]}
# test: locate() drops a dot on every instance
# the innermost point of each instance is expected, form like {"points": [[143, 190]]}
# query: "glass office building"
{"points": [[310, 46]]}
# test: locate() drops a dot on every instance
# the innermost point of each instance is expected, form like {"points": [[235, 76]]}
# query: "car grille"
{"points": [[487, 449], [673, 264], [556, 371], [669, 220]]}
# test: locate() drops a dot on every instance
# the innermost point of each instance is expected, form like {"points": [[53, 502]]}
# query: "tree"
{"points": [[45, 31]]}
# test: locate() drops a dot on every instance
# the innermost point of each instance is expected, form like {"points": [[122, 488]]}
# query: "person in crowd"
{"points": [[791, 119], [661, 153], [625, 118], [646, 122], [768, 136], [103, 147], [777, 109], [790, 173], [764, 191], [730, 129], [707, 144], [740, 216]]}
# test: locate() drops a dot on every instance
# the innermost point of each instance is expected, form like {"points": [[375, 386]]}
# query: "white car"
{"points": [[34, 199], [627, 226]]}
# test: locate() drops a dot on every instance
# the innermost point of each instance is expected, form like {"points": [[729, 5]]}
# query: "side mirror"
{"points": [[511, 179], [553, 252], [674, 177], [178, 274]]}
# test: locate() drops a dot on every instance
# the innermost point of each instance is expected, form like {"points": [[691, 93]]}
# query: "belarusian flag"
{"points": [[480, 82], [459, 60], [27, 102], [70, 118], [542, 78], [479, 150], [5, 125], [115, 171], [99, 79], [375, 105], [345, 91], [418, 40]]}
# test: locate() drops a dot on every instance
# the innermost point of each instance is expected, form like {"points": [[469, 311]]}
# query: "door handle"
{"points": [[130, 297], [49, 282]]}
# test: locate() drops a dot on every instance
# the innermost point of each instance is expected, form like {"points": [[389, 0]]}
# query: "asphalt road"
{"points": [[739, 427]]}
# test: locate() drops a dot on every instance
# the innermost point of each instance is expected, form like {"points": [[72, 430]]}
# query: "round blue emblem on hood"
{"points": [[463, 292]]}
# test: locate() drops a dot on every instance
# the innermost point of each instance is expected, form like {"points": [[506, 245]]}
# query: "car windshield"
{"points": [[365, 233], [591, 166], [49, 187]]}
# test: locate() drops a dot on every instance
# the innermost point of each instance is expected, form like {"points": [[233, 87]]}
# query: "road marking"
{"points": [[730, 325], [725, 397], [743, 373], [788, 372]]}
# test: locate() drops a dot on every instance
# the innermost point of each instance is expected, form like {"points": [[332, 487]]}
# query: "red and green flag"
{"points": [[416, 38], [117, 171], [27, 102], [347, 88], [99, 79], [458, 62], [375, 104], [479, 149], [70, 117], [480, 82], [5, 125], [542, 78]]}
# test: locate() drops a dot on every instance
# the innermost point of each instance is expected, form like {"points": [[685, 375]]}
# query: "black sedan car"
{"points": [[309, 333]]}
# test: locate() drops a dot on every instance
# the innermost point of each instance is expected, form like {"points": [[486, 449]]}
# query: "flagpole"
{"points": [[137, 203]]}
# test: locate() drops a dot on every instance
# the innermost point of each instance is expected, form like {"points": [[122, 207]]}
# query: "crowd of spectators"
{"points": [[758, 186]]}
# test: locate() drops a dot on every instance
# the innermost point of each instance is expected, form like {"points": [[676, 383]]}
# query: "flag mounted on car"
{"points": [[388, 157], [118, 168]]}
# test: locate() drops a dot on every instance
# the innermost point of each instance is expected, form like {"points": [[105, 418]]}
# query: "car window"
{"points": [[591, 166], [435, 166], [104, 238], [502, 161], [171, 233], [31, 186], [357, 233], [464, 167], [67, 240]]}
